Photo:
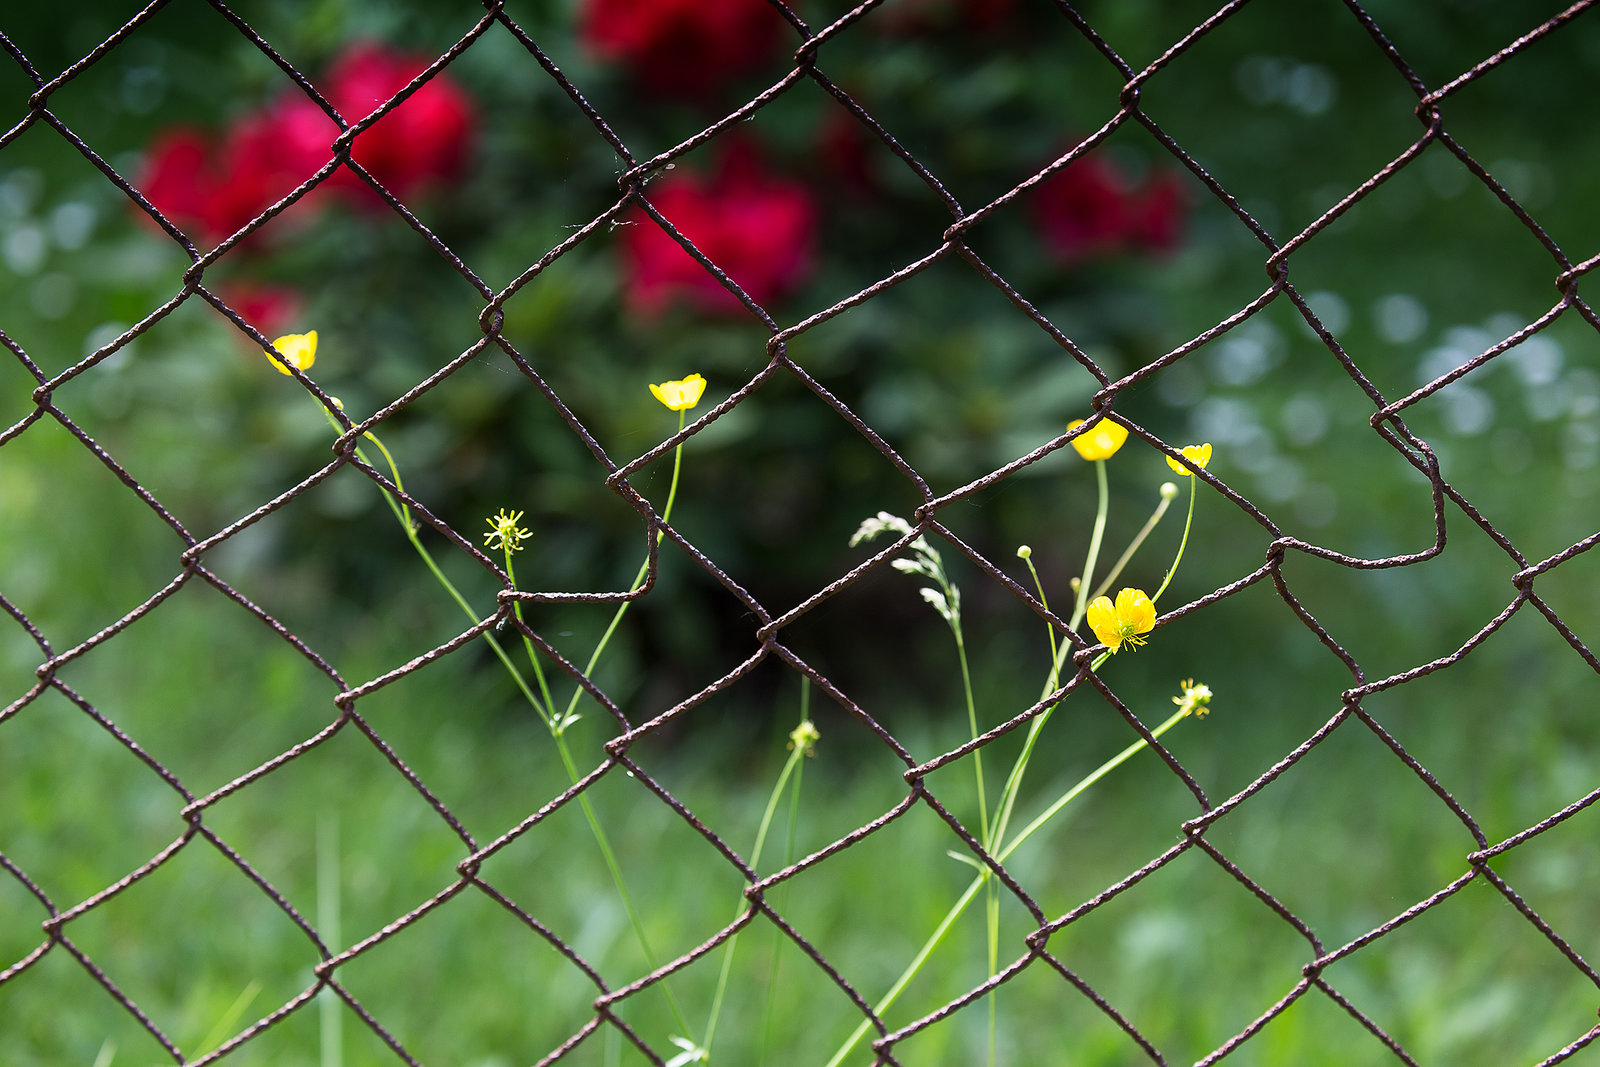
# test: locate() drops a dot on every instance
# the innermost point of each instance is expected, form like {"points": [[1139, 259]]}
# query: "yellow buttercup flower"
{"points": [[1102, 440], [680, 395], [1196, 699], [1199, 455], [1132, 616], [504, 532], [299, 350]]}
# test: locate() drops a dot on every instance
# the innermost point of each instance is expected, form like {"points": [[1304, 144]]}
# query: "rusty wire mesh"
{"points": [[57, 919]]}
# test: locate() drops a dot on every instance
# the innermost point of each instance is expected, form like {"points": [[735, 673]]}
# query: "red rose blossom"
{"points": [[265, 157], [685, 48], [1091, 209], [216, 188], [1081, 210], [212, 189], [176, 177], [1156, 214], [757, 227], [422, 141]]}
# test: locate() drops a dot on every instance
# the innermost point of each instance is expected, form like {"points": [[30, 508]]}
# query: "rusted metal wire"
{"points": [[1448, 507]]}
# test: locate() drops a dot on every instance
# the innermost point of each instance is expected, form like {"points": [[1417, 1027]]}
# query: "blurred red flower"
{"points": [[271, 309], [212, 189], [216, 188], [264, 157], [1156, 214], [1081, 210], [845, 149], [757, 227], [424, 140], [1091, 209], [686, 48], [177, 177]]}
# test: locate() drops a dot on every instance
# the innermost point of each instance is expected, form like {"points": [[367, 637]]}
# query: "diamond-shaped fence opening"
{"points": [[300, 760]]}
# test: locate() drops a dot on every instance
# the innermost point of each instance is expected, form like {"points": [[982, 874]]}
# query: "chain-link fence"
{"points": [[60, 929]]}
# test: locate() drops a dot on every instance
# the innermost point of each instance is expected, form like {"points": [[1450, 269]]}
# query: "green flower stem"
{"points": [[401, 512], [971, 891], [1008, 796], [1094, 776], [527, 643], [1050, 631], [1181, 544], [499, 651], [791, 767], [1133, 546], [910, 972], [1058, 655], [230, 1018], [638, 579], [1082, 602], [783, 891], [556, 728], [1014, 780], [411, 528], [1013, 786], [972, 722], [993, 891], [622, 886], [329, 1009], [568, 717]]}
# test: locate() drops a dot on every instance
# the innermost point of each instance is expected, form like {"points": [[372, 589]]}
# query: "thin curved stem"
{"points": [[790, 767], [967, 896], [1082, 602], [638, 579], [1181, 544], [411, 528], [1133, 546], [789, 851], [556, 727], [527, 643]]}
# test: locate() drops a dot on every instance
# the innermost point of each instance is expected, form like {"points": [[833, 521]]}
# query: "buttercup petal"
{"points": [[299, 350], [1102, 616], [681, 394], [1134, 609], [1198, 455], [1101, 441]]}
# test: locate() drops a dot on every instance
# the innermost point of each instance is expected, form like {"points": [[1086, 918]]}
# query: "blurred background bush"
{"points": [[1126, 251]]}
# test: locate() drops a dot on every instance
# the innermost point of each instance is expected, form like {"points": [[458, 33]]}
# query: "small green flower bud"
{"points": [[805, 738]]}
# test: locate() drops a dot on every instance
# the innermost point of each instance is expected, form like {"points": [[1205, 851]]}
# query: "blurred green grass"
{"points": [[1346, 840], [1427, 271]]}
